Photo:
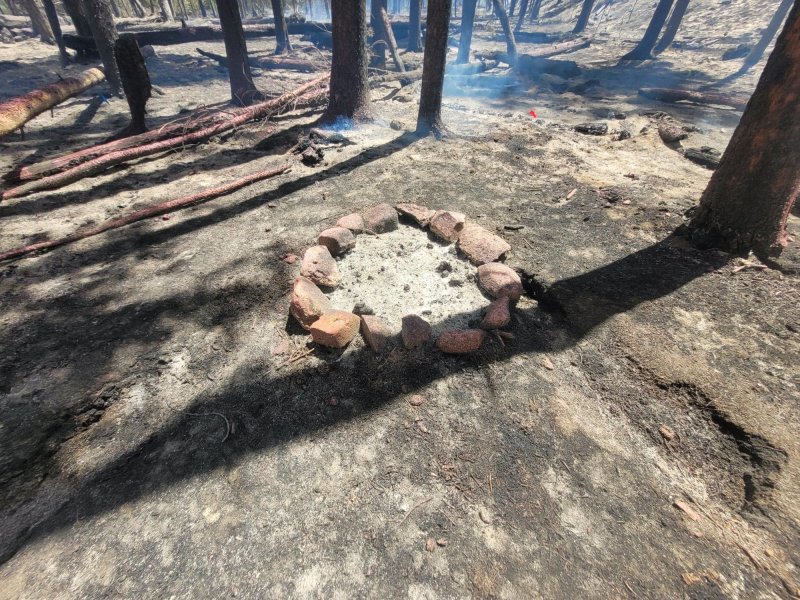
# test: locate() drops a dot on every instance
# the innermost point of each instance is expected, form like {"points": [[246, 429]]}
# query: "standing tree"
{"points": [[747, 202], [349, 95], [243, 90], [378, 35], [166, 10], [467, 23], [583, 18], [135, 82], [675, 19], [644, 48], [758, 50], [429, 119], [40, 24], [535, 8], [104, 32], [523, 9], [414, 27], [282, 42], [511, 43], [55, 25]]}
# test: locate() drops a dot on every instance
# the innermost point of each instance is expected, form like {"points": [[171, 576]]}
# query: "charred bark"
{"points": [[73, 8], [378, 47], [758, 50], [202, 8], [523, 10], [391, 42], [349, 96], [282, 42], [429, 119], [747, 202], [104, 32], [583, 18], [166, 10], [675, 19], [511, 43], [243, 90], [135, 82], [414, 26], [644, 48], [55, 26], [467, 24], [40, 24]]}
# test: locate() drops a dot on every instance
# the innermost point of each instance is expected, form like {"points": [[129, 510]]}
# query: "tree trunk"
{"points": [[414, 28], [115, 9], [202, 8], [378, 47], [429, 119], [535, 8], [511, 43], [40, 24], [645, 47], [138, 9], [513, 7], [675, 19], [747, 202], [166, 10], [523, 9], [282, 42], [55, 26], [75, 12], [758, 50], [135, 81], [391, 42], [104, 33], [467, 23], [583, 18], [349, 96], [243, 90]]}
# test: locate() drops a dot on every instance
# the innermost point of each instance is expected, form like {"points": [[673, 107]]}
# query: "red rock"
{"points": [[462, 341], [480, 245], [416, 331], [447, 224], [308, 302], [421, 215], [320, 267], [380, 219], [354, 222], [337, 240], [498, 280], [335, 329], [497, 315], [375, 332]]}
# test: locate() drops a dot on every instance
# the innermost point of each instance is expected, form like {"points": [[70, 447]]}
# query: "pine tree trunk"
{"points": [[523, 10], [378, 47], [391, 42], [243, 90], [104, 33], [115, 9], [429, 119], [166, 10], [414, 27], [135, 81], [55, 26], [747, 202], [513, 7], [467, 23], [79, 22], [644, 49], [675, 19], [349, 95], [202, 8], [758, 50], [535, 8], [511, 43], [138, 9], [40, 24], [282, 43], [583, 18]]}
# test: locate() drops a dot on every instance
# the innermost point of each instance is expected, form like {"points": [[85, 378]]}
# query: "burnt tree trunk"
{"points": [[747, 202], [675, 19], [414, 27], [378, 44], [40, 24], [243, 90], [583, 18], [138, 9], [349, 95], [511, 43], [429, 119], [166, 10], [55, 25], [467, 23], [202, 8], [135, 81], [758, 50], [644, 48], [391, 42], [75, 13], [523, 10], [104, 33], [282, 43], [535, 8]]}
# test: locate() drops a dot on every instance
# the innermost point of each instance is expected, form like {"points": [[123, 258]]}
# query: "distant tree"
{"points": [[747, 202], [349, 95], [414, 27], [535, 8], [282, 43], [243, 90], [166, 10], [644, 48], [511, 43], [104, 32], [467, 23], [55, 26], [758, 50], [379, 43], [583, 18], [429, 119], [675, 19], [40, 24], [523, 10], [79, 22], [202, 8]]}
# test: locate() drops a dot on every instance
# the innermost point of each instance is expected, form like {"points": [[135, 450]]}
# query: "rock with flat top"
{"points": [[375, 332], [480, 245], [337, 240], [320, 267], [498, 314], [354, 222], [499, 280], [419, 214], [335, 329], [415, 332], [308, 302], [380, 218], [461, 341], [447, 224]]}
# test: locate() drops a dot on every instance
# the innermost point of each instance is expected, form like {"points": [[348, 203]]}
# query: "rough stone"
{"points": [[419, 214], [498, 280], [354, 222], [337, 240], [498, 314], [335, 329], [480, 245], [416, 331], [320, 267], [308, 302], [462, 341], [671, 133], [380, 218], [447, 224], [375, 332]]}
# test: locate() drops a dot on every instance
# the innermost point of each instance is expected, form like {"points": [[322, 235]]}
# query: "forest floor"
{"points": [[162, 434]]}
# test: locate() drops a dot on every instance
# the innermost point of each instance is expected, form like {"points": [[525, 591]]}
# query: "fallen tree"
{"points": [[95, 160], [16, 112], [678, 95], [544, 52], [146, 213], [273, 62]]}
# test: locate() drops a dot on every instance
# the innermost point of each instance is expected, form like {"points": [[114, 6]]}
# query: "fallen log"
{"points": [[677, 95], [218, 122], [274, 62], [146, 213], [16, 112], [545, 52]]}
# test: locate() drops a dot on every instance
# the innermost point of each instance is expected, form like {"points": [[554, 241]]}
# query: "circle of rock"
{"points": [[335, 328]]}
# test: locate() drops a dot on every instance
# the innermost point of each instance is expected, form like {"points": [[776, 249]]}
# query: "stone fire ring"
{"points": [[335, 328]]}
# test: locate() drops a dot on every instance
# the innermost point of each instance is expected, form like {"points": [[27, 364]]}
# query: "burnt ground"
{"points": [[162, 434]]}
